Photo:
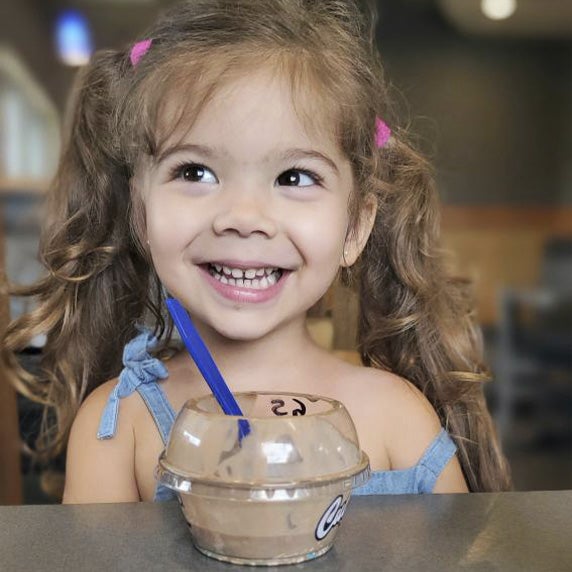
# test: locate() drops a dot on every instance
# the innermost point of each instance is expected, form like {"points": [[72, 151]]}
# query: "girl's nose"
{"points": [[246, 215]]}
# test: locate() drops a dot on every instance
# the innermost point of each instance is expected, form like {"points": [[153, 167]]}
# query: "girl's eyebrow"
{"points": [[209, 152], [294, 154], [178, 148]]}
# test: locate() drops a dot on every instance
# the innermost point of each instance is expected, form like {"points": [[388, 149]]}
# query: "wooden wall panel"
{"points": [[501, 247]]}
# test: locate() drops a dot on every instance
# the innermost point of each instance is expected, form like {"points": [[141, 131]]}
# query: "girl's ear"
{"points": [[357, 236]]}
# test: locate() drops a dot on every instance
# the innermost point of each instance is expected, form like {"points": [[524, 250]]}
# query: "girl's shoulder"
{"points": [[386, 393], [395, 421], [101, 470], [92, 408], [397, 424]]}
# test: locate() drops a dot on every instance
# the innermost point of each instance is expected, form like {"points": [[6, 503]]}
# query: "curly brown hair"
{"points": [[415, 320]]}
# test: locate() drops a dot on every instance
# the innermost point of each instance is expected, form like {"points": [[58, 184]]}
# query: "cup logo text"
{"points": [[331, 517]]}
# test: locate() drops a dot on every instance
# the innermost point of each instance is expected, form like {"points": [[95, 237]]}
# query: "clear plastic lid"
{"points": [[283, 440]]}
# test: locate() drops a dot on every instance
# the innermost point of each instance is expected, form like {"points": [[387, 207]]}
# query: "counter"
{"points": [[530, 531]]}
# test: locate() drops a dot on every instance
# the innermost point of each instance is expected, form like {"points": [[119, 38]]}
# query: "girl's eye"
{"points": [[298, 178], [194, 173]]}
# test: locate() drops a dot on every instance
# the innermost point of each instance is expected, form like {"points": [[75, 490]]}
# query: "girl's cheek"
{"points": [[165, 232]]}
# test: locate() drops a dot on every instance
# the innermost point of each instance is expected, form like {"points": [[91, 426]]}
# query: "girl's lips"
{"points": [[244, 295]]}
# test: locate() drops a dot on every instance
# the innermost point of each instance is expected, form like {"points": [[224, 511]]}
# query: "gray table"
{"points": [[477, 532]]}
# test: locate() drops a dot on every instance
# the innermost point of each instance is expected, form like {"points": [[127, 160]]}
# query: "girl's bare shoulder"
{"points": [[379, 388], [101, 470], [91, 410], [393, 417]]}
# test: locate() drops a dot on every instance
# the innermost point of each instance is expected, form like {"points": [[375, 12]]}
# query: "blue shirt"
{"points": [[142, 373]]}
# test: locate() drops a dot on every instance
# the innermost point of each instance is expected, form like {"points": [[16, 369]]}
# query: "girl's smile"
{"points": [[248, 282]]}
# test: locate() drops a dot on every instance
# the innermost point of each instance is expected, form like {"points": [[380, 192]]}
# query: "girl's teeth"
{"points": [[254, 278]]}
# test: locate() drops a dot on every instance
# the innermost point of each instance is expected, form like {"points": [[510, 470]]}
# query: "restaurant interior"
{"points": [[485, 86]]}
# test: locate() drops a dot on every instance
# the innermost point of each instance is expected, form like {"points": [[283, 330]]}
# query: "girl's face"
{"points": [[247, 216]]}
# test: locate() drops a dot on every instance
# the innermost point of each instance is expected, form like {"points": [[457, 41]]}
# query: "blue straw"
{"points": [[202, 357]]}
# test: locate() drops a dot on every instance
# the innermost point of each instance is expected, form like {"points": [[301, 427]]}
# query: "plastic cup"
{"points": [[274, 496]]}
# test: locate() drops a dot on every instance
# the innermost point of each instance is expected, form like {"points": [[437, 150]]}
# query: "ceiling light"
{"points": [[498, 9], [73, 38]]}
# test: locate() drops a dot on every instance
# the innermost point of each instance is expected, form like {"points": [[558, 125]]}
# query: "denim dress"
{"points": [[142, 373]]}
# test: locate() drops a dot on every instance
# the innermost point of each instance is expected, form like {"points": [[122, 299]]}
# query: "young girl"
{"points": [[240, 158]]}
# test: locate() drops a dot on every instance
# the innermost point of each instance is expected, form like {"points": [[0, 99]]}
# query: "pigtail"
{"points": [[97, 279], [417, 320]]}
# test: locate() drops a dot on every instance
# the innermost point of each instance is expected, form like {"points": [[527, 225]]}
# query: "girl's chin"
{"points": [[251, 328], [242, 330]]}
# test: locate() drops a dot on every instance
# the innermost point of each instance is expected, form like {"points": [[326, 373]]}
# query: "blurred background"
{"points": [[486, 85]]}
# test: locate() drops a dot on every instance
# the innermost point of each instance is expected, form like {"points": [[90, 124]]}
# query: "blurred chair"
{"points": [[534, 359]]}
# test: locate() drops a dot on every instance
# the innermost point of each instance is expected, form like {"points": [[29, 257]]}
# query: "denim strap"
{"points": [[434, 460], [159, 407], [141, 370]]}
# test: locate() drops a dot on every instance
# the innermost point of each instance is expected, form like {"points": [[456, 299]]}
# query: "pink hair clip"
{"points": [[139, 50], [382, 133]]}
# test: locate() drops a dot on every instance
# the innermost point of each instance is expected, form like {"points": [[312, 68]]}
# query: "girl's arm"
{"points": [[100, 471], [451, 480]]}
